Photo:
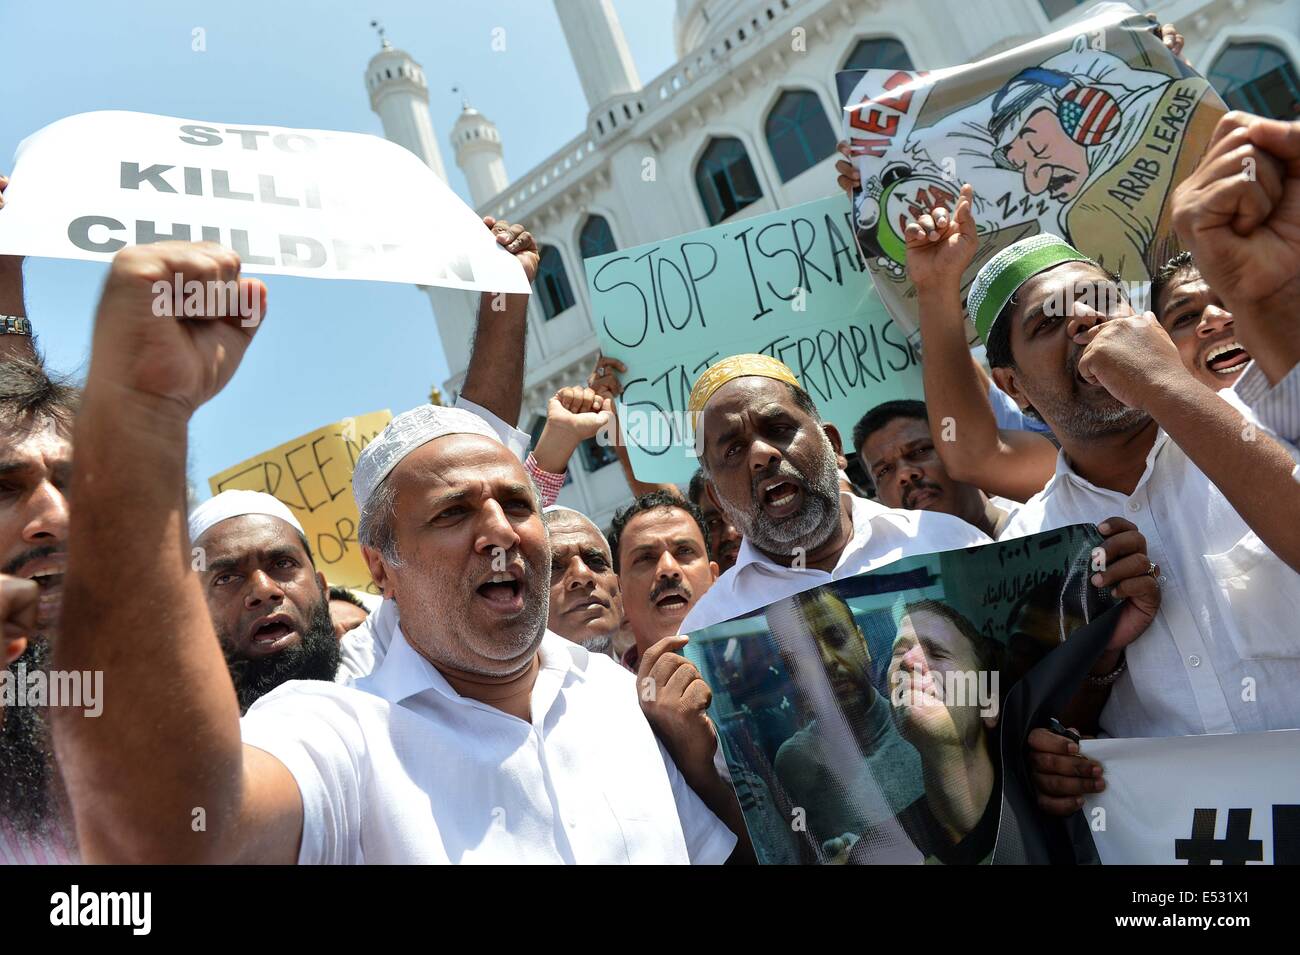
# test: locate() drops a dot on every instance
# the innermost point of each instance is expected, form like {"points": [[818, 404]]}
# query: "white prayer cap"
{"points": [[230, 504], [408, 431]]}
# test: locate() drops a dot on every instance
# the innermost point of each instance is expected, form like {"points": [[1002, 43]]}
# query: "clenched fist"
{"points": [[143, 347]]}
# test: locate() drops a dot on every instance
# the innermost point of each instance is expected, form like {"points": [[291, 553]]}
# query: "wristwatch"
{"points": [[15, 325]]}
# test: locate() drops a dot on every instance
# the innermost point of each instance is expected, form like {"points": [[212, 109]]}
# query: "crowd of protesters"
{"points": [[519, 693]]}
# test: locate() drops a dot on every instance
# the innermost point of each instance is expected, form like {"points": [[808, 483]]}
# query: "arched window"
{"points": [[1258, 78], [798, 133], [596, 237], [725, 179], [879, 53], [553, 283]]}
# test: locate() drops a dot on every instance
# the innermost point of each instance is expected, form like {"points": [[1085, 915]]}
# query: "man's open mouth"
{"points": [[780, 497], [1226, 358], [503, 592], [271, 634], [673, 601]]}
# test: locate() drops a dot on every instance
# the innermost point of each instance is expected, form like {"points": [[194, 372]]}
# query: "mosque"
{"points": [[745, 122]]}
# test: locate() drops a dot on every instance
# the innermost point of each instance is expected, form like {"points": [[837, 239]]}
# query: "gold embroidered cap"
{"points": [[729, 369]]}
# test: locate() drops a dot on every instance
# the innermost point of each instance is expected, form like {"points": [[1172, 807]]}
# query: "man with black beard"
{"points": [[771, 464], [35, 460], [269, 604]]}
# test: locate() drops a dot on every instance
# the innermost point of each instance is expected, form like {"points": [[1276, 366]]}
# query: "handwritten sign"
{"points": [[313, 476], [789, 284], [309, 202]]}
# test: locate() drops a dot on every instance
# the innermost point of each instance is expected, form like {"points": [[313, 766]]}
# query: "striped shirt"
{"points": [[1276, 406], [56, 848]]}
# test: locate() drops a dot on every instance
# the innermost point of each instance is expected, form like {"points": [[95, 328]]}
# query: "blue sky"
{"points": [[329, 349]]}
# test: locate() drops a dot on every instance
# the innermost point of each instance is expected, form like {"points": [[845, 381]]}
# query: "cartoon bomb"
{"points": [[888, 203]]}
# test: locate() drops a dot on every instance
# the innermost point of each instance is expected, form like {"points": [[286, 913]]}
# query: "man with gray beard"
{"points": [[481, 737], [771, 464]]}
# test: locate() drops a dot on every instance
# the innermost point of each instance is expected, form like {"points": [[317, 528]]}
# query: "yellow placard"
{"points": [[313, 476]]}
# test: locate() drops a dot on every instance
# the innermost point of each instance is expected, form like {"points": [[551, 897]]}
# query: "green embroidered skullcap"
{"points": [[1011, 268]]}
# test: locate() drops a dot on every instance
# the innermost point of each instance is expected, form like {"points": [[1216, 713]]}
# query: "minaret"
{"points": [[478, 154], [598, 49], [399, 94]]}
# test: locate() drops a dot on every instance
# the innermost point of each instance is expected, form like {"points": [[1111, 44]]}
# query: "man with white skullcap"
{"points": [[268, 603], [481, 737]]}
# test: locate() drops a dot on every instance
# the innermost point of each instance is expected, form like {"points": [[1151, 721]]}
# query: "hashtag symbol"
{"points": [[1236, 848]]}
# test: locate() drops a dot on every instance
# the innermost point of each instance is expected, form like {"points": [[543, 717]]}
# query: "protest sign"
{"points": [[860, 720], [310, 202], [313, 476], [1083, 133], [789, 284], [1228, 799]]}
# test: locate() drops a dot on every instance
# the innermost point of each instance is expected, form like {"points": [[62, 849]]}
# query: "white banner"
{"points": [[1197, 800], [308, 202]]}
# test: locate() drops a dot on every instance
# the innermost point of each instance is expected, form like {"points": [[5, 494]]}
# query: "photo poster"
{"points": [[312, 476], [789, 284], [861, 720], [317, 203], [1083, 133]]}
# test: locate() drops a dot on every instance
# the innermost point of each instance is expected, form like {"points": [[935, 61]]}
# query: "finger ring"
{"points": [[1154, 570]]}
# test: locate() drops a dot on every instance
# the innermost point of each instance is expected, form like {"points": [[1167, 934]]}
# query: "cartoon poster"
{"points": [[1083, 133], [862, 721]]}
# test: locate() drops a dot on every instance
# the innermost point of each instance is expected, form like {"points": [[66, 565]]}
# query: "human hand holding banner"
{"points": [[308, 202], [1083, 133]]}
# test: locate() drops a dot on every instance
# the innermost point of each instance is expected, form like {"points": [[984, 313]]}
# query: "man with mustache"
{"points": [[896, 448], [771, 464], [36, 415], [586, 603], [1140, 436], [269, 605], [663, 567], [1238, 622], [480, 738]]}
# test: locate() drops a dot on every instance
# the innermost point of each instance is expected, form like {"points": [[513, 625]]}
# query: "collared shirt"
{"points": [[1223, 653], [1276, 406], [511, 437], [881, 535], [400, 768]]}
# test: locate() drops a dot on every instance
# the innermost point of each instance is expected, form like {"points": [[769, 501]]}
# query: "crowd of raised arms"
{"points": [[521, 692]]}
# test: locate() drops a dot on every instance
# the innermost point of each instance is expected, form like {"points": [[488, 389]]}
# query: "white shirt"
{"points": [[1223, 653], [403, 769], [881, 535]]}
